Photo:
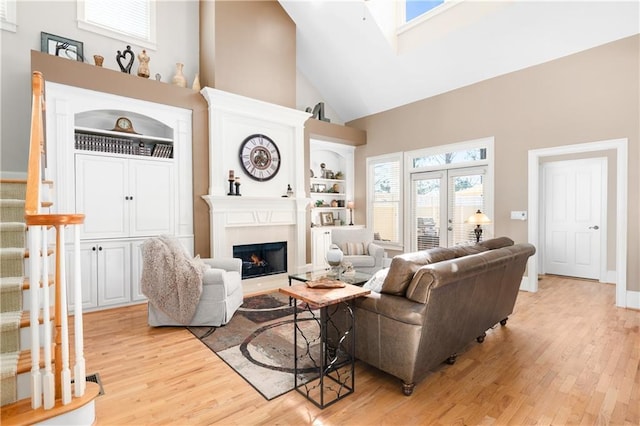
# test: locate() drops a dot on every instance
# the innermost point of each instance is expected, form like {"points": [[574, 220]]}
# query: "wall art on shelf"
{"points": [[61, 46], [326, 219]]}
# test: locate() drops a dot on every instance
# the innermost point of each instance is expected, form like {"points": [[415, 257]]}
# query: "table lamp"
{"points": [[350, 206], [478, 219]]}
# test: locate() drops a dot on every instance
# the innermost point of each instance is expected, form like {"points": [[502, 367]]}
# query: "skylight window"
{"points": [[415, 8]]}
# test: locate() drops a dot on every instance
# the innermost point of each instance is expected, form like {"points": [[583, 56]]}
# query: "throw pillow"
{"points": [[352, 249], [376, 281]]}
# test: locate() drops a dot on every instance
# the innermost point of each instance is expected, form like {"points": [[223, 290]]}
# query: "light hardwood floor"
{"points": [[566, 356]]}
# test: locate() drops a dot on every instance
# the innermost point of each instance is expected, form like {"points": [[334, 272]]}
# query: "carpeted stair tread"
{"points": [[12, 262], [8, 373], [12, 210], [12, 234], [10, 331], [11, 293], [13, 189]]}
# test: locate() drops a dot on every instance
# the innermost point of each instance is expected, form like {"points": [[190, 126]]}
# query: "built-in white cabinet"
{"points": [[105, 273], [124, 197], [320, 242], [131, 179]]}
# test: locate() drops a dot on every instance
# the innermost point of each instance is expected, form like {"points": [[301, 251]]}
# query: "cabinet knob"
{"points": [[126, 197], [100, 248], [93, 248]]}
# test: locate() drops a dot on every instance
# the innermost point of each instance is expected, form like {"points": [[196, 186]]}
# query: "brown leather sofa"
{"points": [[435, 302]]}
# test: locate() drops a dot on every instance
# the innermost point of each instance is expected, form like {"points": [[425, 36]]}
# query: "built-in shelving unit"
{"points": [[130, 185]]}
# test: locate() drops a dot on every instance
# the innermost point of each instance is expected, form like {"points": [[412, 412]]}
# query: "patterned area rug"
{"points": [[258, 343]]}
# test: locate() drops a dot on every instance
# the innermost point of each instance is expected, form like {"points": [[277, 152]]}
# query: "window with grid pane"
{"points": [[385, 197], [124, 19], [8, 18]]}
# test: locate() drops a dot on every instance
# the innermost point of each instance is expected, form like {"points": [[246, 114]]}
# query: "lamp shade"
{"points": [[350, 204], [478, 218]]}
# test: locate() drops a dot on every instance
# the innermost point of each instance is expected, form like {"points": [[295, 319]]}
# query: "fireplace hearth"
{"points": [[262, 258]]}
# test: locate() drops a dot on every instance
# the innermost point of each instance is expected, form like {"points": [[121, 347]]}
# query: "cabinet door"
{"points": [[321, 242], [152, 206], [101, 188], [88, 275], [136, 271], [114, 272]]}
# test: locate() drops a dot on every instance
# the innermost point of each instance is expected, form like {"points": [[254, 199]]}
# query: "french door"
{"points": [[441, 203]]}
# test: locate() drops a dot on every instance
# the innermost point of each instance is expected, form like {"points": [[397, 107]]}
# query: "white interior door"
{"points": [[441, 203], [574, 194]]}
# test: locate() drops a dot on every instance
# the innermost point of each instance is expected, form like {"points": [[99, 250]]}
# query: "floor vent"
{"points": [[95, 378]]}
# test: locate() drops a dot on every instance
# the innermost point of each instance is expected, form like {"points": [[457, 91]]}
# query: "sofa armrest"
{"points": [[226, 263], [376, 251]]}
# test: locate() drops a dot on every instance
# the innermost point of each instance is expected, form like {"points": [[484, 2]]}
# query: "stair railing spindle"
{"points": [[79, 368], [48, 380], [34, 309], [65, 374]]}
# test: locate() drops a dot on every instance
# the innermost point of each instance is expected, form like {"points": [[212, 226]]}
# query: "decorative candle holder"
{"points": [[231, 181], [237, 184]]}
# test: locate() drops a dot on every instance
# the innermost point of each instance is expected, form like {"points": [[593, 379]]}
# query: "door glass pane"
{"points": [[466, 196], [426, 193], [386, 200]]}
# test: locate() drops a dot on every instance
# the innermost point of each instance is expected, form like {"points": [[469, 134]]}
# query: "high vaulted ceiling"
{"points": [[359, 71]]}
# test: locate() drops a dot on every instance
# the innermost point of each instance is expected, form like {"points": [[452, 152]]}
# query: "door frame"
{"points": [[534, 175], [603, 224]]}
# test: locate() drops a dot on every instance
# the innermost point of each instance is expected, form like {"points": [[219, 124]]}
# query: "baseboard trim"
{"points": [[633, 299], [524, 285]]}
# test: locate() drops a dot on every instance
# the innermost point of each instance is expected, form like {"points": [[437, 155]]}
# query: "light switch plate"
{"points": [[519, 215]]}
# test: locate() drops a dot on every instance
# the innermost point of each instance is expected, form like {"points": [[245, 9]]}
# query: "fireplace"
{"points": [[262, 259]]}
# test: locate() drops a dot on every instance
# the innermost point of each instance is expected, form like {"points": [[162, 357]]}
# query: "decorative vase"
{"points": [[143, 68], [196, 83], [178, 78], [334, 259], [98, 60]]}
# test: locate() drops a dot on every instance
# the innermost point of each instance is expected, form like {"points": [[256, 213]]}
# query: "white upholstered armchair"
{"points": [[359, 248], [183, 290]]}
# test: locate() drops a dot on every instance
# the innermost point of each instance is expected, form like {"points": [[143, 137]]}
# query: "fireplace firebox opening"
{"points": [[262, 258]]}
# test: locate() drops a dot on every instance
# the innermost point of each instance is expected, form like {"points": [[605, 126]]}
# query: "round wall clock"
{"points": [[260, 157]]}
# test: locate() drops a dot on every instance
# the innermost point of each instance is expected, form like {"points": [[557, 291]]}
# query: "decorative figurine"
{"points": [[143, 68], [289, 191], [179, 79], [121, 55], [237, 184], [98, 60], [158, 76]]}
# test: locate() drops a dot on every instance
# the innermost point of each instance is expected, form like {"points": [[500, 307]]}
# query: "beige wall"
{"points": [[249, 48], [587, 97]]}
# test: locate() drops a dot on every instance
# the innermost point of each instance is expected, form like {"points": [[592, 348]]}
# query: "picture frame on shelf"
{"points": [[319, 187], [326, 218], [62, 47]]}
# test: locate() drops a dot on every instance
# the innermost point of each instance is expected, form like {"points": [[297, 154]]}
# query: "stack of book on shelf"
{"points": [[162, 150], [100, 143]]}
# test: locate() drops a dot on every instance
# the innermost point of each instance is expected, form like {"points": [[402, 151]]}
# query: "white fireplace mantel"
{"points": [[260, 212]]}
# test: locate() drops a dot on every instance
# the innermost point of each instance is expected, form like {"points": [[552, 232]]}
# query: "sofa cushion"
{"points": [[351, 248], [460, 251], [404, 266], [495, 243]]}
